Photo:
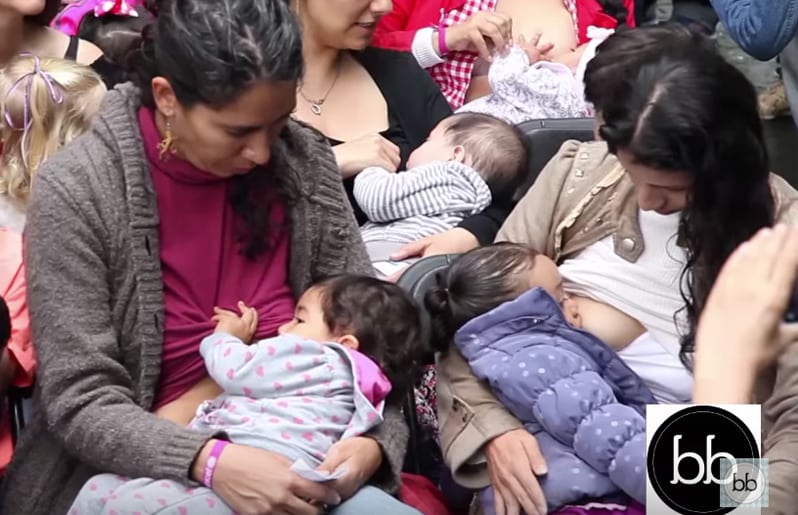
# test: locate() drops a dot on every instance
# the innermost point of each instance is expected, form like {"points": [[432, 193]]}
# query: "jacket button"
{"points": [[628, 244], [579, 172]]}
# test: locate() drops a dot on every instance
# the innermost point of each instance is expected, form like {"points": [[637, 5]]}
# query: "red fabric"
{"points": [[203, 267], [590, 12], [420, 493], [397, 29], [20, 349]]}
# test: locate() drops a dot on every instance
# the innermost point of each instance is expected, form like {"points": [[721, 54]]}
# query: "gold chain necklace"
{"points": [[315, 105]]}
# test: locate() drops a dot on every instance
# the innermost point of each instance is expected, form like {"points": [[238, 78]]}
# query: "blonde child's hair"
{"points": [[44, 104]]}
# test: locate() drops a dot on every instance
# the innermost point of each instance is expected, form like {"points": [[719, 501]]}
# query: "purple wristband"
{"points": [[213, 460], [442, 48]]}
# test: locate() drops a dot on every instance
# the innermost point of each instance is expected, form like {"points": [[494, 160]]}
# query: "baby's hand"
{"points": [[242, 327], [534, 50]]}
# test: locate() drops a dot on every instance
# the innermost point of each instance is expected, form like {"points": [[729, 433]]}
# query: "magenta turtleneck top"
{"points": [[203, 266]]}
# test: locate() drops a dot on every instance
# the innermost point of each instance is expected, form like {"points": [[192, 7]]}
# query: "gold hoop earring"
{"points": [[165, 145]]}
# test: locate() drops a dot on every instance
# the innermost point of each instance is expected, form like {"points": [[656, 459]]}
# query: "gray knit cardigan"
{"points": [[96, 307]]}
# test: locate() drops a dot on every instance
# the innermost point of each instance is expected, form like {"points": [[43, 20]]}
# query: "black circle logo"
{"points": [[685, 456]]}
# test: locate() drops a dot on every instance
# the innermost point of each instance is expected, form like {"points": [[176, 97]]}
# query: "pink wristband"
{"points": [[213, 460], [442, 48]]}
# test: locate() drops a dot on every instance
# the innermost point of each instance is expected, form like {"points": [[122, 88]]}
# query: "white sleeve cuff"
{"points": [[423, 49]]}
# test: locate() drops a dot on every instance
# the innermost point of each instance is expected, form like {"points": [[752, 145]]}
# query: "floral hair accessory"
{"points": [[68, 20]]}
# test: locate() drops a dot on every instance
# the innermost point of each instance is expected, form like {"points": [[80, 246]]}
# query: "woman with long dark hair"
{"points": [[193, 189], [640, 225]]}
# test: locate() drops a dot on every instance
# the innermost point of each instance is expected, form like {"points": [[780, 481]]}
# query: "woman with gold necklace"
{"points": [[375, 106]]}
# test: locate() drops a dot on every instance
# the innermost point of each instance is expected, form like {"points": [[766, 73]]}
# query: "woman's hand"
{"points": [[514, 459], [360, 457], [481, 33], [741, 330], [370, 150], [453, 241], [258, 482]]}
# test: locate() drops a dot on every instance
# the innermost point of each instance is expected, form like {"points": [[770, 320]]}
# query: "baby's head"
{"points": [[374, 317], [44, 104], [487, 277], [493, 148]]}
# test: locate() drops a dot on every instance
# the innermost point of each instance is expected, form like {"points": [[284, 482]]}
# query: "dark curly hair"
{"points": [[211, 51], [476, 283], [385, 320], [685, 109], [620, 54]]}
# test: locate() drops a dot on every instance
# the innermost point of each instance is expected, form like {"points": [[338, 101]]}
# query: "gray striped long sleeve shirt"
{"points": [[426, 200]]}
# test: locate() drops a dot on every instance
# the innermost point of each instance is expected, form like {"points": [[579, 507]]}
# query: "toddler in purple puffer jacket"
{"points": [[505, 307]]}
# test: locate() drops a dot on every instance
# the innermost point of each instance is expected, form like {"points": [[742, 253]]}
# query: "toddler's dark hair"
{"points": [[477, 282], [384, 318], [5, 324], [497, 149]]}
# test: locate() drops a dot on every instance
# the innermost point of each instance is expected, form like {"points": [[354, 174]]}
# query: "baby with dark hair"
{"points": [[467, 159], [350, 347], [506, 311]]}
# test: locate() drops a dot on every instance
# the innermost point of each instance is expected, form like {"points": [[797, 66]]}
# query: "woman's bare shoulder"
{"points": [[88, 52], [55, 43]]}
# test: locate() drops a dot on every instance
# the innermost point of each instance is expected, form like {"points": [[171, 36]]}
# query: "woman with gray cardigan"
{"points": [[192, 189]]}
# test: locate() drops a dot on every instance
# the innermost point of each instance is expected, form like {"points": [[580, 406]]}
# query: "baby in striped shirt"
{"points": [[467, 159]]}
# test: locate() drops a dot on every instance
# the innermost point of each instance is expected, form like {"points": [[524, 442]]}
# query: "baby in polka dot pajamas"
{"points": [[584, 405], [292, 395]]}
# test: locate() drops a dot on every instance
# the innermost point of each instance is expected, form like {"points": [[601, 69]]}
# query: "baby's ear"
{"points": [[459, 154], [349, 341]]}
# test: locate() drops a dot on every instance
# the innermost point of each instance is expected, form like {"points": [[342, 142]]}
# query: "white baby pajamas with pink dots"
{"points": [[287, 395]]}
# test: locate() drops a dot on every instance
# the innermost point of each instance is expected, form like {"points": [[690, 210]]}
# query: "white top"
{"points": [[12, 214], [648, 291], [423, 49]]}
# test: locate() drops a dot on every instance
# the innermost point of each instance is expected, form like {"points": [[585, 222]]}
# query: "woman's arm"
{"points": [[87, 396], [761, 27], [741, 333], [532, 221]]}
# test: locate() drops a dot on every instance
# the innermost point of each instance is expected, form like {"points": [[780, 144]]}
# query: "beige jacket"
{"points": [[581, 197]]}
